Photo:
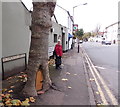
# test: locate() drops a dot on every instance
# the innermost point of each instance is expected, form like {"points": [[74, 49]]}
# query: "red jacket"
{"points": [[58, 50]]}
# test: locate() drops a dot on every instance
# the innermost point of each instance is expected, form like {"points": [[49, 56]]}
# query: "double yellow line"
{"points": [[94, 72]]}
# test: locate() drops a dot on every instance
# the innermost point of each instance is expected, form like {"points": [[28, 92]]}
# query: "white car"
{"points": [[81, 41]]}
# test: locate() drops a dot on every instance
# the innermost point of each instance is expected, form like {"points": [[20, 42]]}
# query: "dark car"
{"points": [[106, 42]]}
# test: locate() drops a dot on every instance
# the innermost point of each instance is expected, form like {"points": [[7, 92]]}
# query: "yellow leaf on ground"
{"points": [[12, 86], [2, 95], [19, 76], [97, 92], [1, 104], [91, 79], [9, 78], [27, 99], [32, 99], [69, 87], [8, 102], [10, 91], [25, 103], [68, 73], [64, 79], [3, 90], [7, 95]]}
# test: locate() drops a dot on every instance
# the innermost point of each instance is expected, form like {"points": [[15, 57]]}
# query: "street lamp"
{"points": [[73, 19], [75, 7]]}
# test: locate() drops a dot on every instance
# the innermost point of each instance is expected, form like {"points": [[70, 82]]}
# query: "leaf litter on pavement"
{"points": [[6, 98]]}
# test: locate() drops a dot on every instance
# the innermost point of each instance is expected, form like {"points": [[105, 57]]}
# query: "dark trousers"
{"points": [[58, 61]]}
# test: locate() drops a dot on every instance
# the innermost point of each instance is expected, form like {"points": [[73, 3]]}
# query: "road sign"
{"points": [[75, 27]]}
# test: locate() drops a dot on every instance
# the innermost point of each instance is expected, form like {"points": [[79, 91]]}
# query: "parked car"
{"points": [[106, 42], [81, 41], [103, 42]]}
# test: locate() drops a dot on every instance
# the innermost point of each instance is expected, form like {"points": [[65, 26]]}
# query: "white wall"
{"points": [[119, 20], [62, 16], [57, 30], [112, 33], [16, 33], [0, 37]]}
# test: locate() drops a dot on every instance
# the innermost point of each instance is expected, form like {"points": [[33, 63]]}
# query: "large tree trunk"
{"points": [[38, 56]]}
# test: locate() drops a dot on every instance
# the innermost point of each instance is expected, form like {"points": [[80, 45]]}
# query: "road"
{"points": [[105, 59]]}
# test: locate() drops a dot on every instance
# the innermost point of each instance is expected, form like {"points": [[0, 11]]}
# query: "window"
{"points": [[55, 38]]}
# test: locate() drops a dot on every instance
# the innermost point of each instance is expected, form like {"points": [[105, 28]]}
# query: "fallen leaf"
{"points": [[12, 86], [16, 102], [1, 104], [91, 79], [64, 79], [25, 103], [19, 76], [27, 99], [54, 65], [25, 79], [68, 73], [32, 99], [7, 95], [69, 87], [2, 95], [10, 91], [17, 80], [8, 102], [97, 92], [3, 90], [9, 78]]}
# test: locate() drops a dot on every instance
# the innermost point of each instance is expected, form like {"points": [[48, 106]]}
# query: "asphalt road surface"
{"points": [[105, 59]]}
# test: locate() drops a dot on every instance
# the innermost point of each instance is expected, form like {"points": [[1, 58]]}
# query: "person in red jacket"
{"points": [[59, 53]]}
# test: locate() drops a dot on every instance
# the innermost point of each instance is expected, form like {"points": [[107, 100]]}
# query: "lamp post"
{"points": [[73, 19], [75, 7]]}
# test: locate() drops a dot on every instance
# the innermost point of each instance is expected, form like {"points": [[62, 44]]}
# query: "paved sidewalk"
{"points": [[71, 81]]}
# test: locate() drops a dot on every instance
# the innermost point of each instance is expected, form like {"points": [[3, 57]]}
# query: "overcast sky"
{"points": [[96, 12], [102, 12]]}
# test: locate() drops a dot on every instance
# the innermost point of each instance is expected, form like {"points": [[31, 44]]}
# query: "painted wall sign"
{"points": [[14, 57]]}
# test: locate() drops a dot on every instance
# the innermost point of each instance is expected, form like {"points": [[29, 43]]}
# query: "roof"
{"points": [[25, 6], [113, 24]]}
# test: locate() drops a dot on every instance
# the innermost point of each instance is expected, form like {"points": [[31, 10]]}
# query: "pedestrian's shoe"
{"points": [[60, 67]]}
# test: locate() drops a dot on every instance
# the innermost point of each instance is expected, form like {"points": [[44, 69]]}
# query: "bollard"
{"points": [[78, 47]]}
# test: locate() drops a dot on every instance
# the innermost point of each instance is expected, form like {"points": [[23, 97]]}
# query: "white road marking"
{"points": [[100, 67], [111, 96], [99, 88]]}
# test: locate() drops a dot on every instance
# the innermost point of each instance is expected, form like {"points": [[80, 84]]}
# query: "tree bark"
{"points": [[38, 55]]}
